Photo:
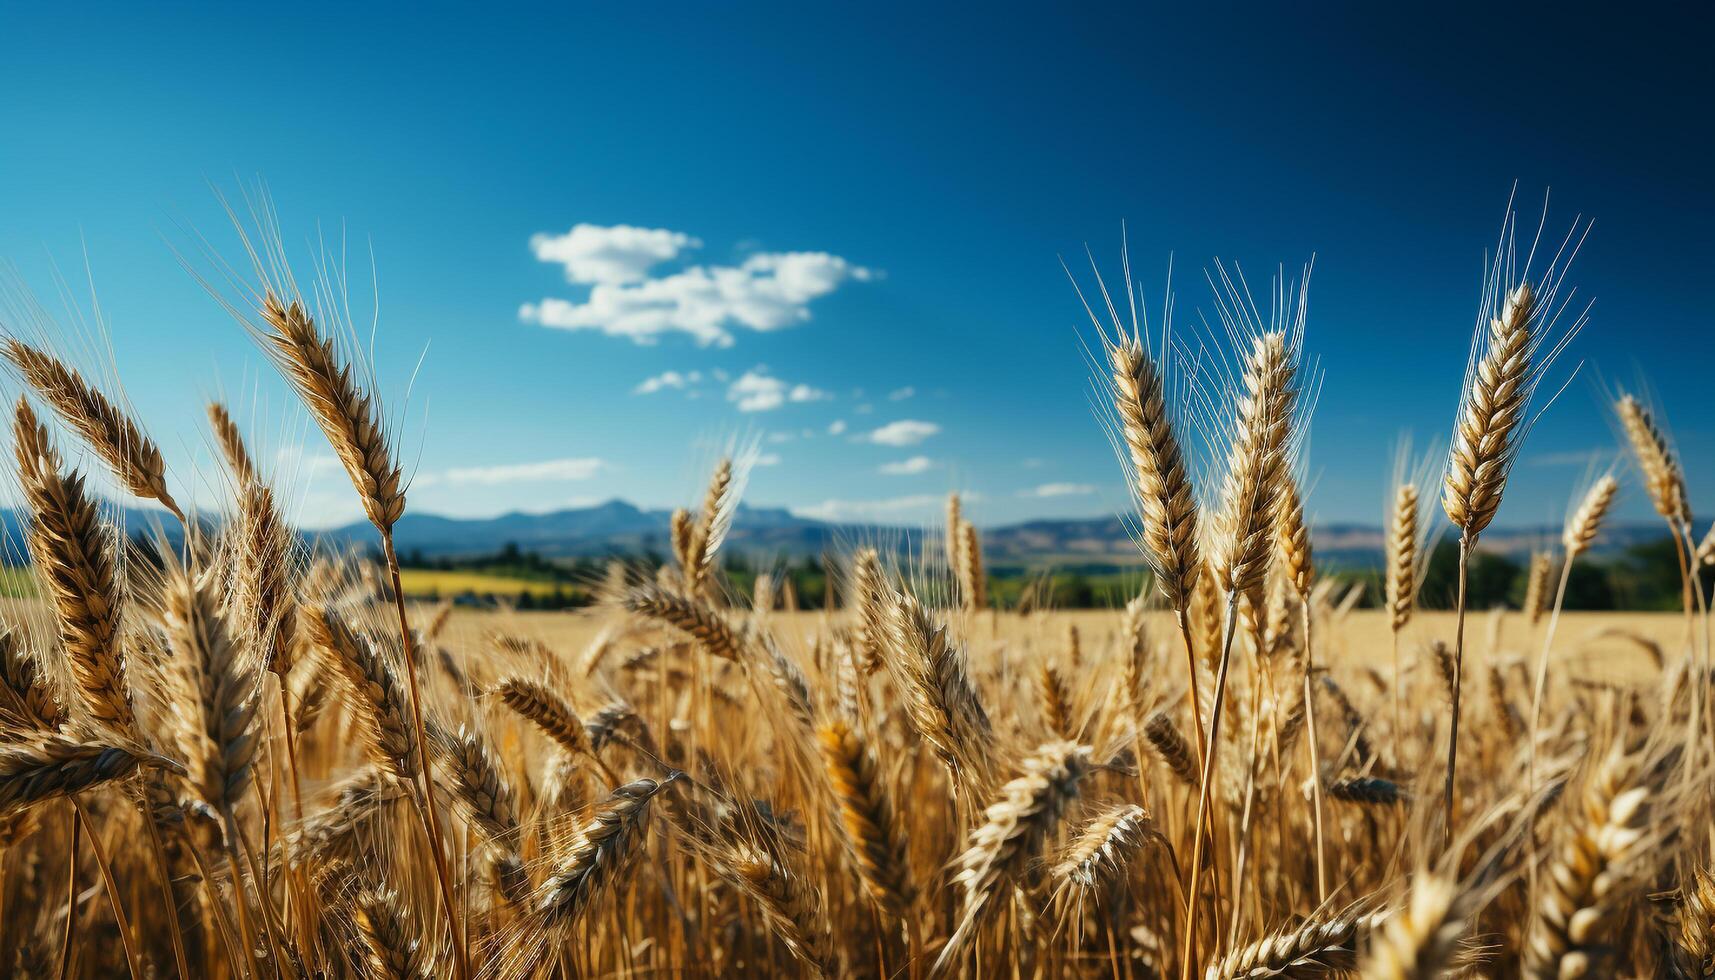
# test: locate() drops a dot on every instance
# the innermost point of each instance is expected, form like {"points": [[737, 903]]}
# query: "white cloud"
{"points": [[758, 391], [926, 506], [667, 379], [1058, 490], [836, 427], [580, 468], [908, 467], [767, 291], [905, 432], [767, 459], [900, 394], [616, 254]]}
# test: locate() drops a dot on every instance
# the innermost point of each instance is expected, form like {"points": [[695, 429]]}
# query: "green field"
{"points": [[17, 582]]}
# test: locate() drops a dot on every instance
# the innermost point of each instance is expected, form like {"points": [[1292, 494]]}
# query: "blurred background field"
{"points": [[1611, 645]]}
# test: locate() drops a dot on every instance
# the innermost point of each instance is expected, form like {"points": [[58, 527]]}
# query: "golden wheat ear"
{"points": [[1656, 460], [1321, 946], [1015, 829], [73, 549], [132, 456], [226, 685], [873, 835], [348, 417], [1166, 502], [51, 767]]}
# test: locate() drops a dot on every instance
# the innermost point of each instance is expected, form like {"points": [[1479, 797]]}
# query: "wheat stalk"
{"points": [[52, 766], [1693, 928], [973, 581], [226, 687], [875, 840], [1402, 544], [392, 948], [27, 687], [131, 454], [940, 700], [790, 906], [1320, 947], [1056, 701], [1013, 831], [1100, 852], [348, 417], [375, 688], [597, 862], [1581, 527], [1492, 413], [871, 595], [1591, 874], [1244, 529], [479, 784], [1537, 586], [1167, 741], [688, 615], [72, 548], [1663, 476], [1165, 499], [1421, 940], [547, 711]]}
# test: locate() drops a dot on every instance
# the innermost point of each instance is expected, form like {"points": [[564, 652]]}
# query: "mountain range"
{"points": [[620, 527]]}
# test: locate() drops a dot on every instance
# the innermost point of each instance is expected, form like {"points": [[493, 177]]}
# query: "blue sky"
{"points": [[887, 195]]}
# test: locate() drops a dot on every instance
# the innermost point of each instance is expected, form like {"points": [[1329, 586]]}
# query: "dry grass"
{"points": [[251, 762]]}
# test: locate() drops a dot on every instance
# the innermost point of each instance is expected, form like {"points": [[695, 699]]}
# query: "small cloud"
{"points": [[900, 394], [766, 459], [767, 291], [924, 506], [667, 379], [905, 432], [615, 254], [758, 391], [864, 409], [908, 467], [837, 427], [581, 468], [780, 437], [1032, 462], [1058, 490]]}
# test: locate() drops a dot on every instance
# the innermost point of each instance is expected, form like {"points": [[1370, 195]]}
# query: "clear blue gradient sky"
{"points": [[931, 168]]}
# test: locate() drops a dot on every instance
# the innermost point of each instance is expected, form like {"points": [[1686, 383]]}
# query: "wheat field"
{"points": [[245, 757]]}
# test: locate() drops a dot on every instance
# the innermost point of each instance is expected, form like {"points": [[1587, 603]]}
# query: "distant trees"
{"points": [[1642, 577]]}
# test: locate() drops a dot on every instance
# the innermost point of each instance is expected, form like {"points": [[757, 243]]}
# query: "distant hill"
{"points": [[620, 527], [617, 526], [614, 526]]}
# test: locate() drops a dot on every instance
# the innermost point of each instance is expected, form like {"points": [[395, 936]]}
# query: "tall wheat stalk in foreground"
{"points": [[351, 420], [1243, 534], [1507, 361], [1159, 478]]}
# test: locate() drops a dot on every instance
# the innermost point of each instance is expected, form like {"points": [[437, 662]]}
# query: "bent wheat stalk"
{"points": [[131, 454]]}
